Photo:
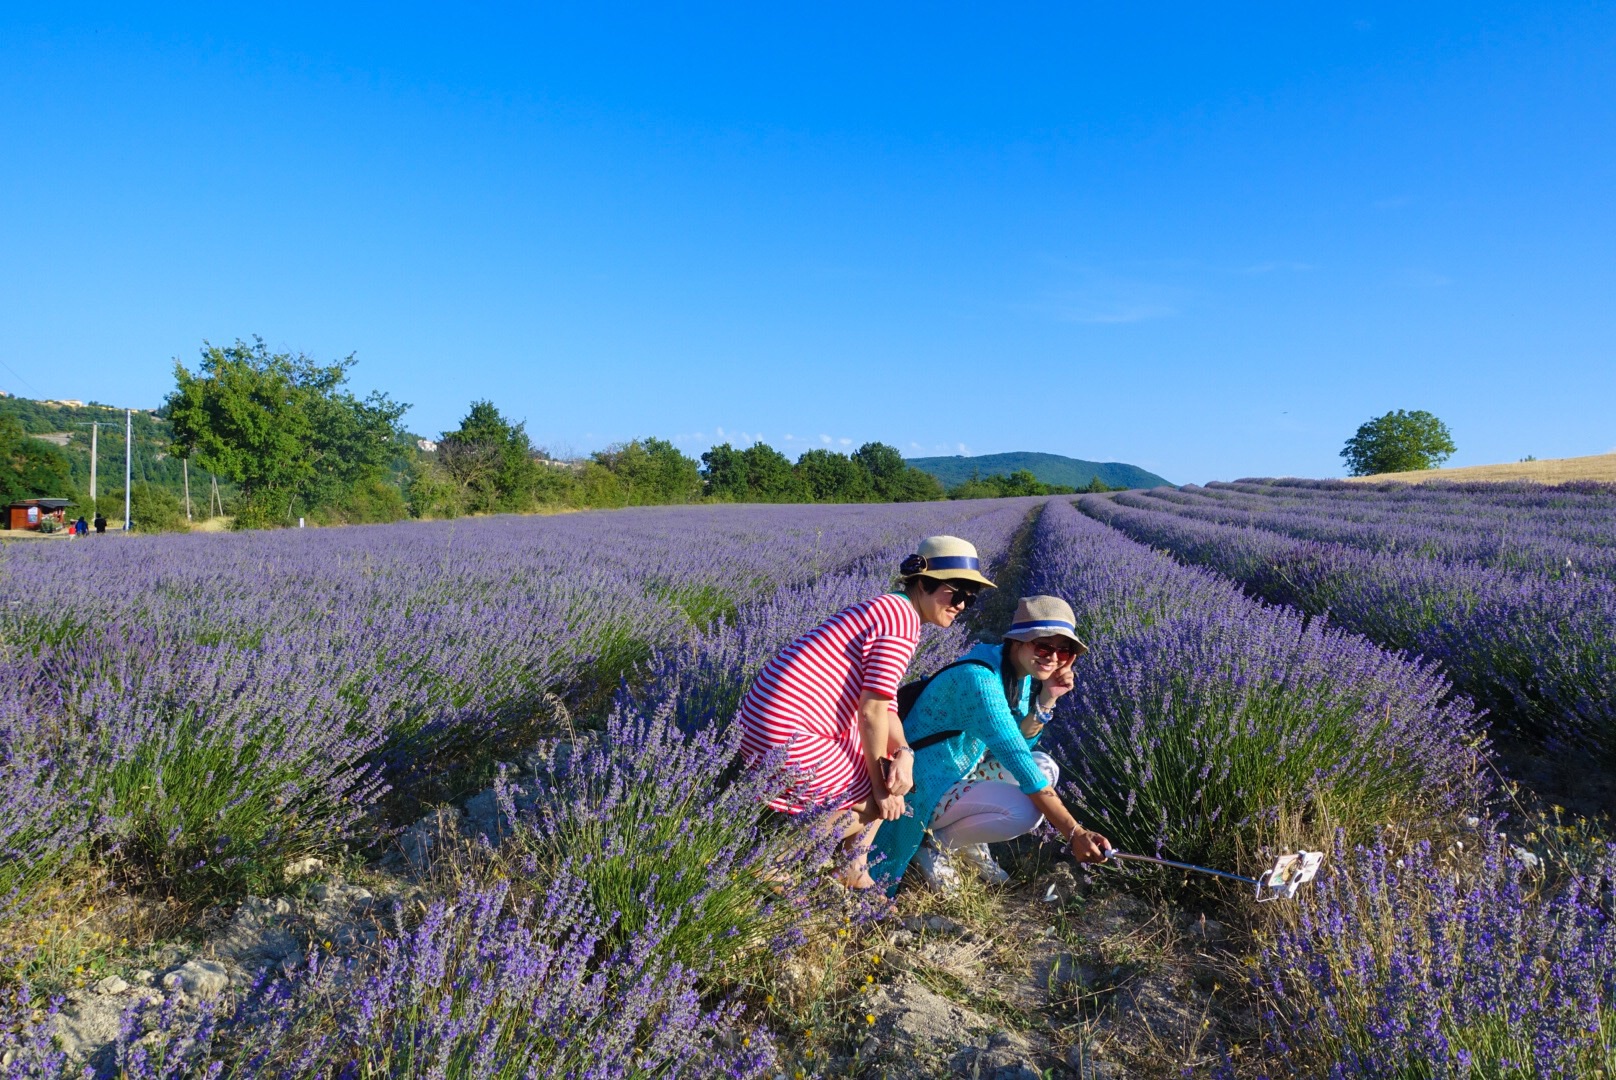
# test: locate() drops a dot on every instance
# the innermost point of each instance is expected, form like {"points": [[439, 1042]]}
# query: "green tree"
{"points": [[30, 468], [1398, 442], [769, 476], [827, 476], [495, 464], [723, 473], [1019, 483], [281, 426], [644, 472]]}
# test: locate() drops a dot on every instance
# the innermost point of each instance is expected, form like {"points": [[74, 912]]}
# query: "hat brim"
{"points": [[958, 575], [1036, 632]]}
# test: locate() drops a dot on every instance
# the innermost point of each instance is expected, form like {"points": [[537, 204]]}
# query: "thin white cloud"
{"points": [[826, 439], [1418, 278], [1276, 266], [1120, 315], [1097, 298], [845, 442], [915, 446]]}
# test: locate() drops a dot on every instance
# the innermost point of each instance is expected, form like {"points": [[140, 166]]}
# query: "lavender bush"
{"points": [[1444, 964], [206, 707], [1538, 653], [1201, 716], [487, 986]]}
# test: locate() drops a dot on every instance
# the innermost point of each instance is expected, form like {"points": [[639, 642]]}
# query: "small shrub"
{"points": [[662, 828]]}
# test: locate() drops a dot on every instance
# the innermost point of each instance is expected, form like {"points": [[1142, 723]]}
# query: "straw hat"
{"points": [[948, 558], [1044, 616]]}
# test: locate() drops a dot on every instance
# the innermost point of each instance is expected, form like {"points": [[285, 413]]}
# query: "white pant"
{"points": [[984, 809]]}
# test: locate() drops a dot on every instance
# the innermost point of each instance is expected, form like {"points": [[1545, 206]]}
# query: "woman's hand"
{"points": [[889, 807], [901, 779], [1055, 686], [1088, 847]]}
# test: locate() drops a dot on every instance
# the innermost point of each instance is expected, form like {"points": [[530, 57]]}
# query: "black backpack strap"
{"points": [[933, 739], [942, 736]]}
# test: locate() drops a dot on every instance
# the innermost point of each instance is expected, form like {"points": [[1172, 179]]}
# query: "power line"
{"points": [[20, 379]]}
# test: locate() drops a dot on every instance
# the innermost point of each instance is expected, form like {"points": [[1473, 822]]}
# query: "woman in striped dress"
{"points": [[826, 701]]}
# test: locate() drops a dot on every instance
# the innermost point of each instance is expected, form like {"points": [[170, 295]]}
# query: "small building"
{"points": [[34, 513]]}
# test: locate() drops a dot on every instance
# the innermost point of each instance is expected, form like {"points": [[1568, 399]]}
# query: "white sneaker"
{"points": [[979, 858], [939, 874]]}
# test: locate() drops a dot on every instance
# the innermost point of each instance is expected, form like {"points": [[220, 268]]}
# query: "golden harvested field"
{"points": [[1550, 471]]}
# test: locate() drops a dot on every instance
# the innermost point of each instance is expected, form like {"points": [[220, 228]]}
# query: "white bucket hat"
{"points": [[948, 558], [1044, 616]]}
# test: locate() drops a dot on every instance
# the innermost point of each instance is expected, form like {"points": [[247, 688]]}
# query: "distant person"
{"points": [[978, 779], [826, 700], [100, 522], [82, 526]]}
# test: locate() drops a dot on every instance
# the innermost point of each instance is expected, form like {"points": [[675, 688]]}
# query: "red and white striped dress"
{"points": [[806, 699]]}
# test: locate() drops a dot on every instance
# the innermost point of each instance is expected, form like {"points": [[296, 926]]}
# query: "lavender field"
{"points": [[504, 746]]}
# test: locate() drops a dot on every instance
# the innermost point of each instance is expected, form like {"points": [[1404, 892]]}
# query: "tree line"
{"points": [[286, 439]]}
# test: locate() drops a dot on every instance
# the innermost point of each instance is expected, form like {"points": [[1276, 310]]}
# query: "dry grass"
{"points": [[1550, 471]]}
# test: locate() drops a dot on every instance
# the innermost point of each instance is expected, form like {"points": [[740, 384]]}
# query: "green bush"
{"points": [[151, 508]]}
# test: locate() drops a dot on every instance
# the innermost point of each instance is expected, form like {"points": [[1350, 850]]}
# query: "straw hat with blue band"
{"points": [[947, 558], [1044, 616]]}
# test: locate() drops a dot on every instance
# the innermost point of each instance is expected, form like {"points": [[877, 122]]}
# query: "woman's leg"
{"points": [[855, 827], [990, 811]]}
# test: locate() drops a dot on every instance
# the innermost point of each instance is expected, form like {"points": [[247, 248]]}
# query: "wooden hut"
{"points": [[33, 513]]}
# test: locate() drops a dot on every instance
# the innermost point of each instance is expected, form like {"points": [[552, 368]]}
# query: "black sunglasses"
{"points": [[958, 594]]}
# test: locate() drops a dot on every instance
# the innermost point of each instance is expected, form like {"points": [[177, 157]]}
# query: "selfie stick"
{"points": [[1279, 882]]}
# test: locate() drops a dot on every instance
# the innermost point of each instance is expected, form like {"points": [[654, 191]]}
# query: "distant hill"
{"points": [[1048, 468]]}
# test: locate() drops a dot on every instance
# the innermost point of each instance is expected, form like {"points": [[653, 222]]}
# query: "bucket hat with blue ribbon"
{"points": [[1044, 616], [948, 558]]}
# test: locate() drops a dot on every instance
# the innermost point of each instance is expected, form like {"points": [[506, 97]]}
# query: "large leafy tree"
{"points": [[494, 462], [760, 473], [281, 426], [643, 472], [827, 476], [1398, 442], [893, 479], [30, 468]]}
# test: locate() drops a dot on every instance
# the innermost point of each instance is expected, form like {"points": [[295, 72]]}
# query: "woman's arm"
{"points": [[874, 731], [1086, 846]]}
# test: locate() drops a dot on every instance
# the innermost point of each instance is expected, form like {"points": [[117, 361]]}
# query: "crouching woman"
{"points": [[977, 778], [824, 704]]}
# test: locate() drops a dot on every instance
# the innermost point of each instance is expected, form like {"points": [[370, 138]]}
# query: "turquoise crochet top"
{"points": [[968, 699]]}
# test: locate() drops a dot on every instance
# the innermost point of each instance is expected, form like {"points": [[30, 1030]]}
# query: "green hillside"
{"points": [[1048, 468]]}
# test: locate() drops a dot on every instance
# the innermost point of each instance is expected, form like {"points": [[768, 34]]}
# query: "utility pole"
{"points": [[128, 458], [185, 470]]}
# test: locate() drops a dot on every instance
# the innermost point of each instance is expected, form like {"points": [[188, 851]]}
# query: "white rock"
{"points": [[199, 978], [302, 867], [111, 985]]}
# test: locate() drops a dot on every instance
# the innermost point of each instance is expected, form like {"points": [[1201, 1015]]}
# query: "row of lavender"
{"points": [[1205, 723], [1548, 531], [207, 707], [1538, 653], [639, 879]]}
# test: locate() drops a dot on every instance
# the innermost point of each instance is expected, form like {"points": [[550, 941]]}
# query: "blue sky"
{"points": [[1206, 240]]}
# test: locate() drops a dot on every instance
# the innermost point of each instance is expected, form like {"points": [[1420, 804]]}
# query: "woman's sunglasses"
{"points": [[1063, 652], [956, 595]]}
